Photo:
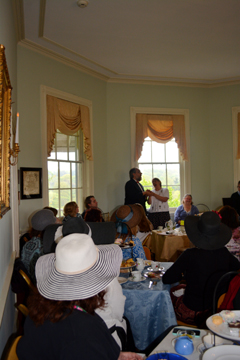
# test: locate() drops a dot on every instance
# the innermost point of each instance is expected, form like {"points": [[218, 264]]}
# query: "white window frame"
{"points": [[236, 162], [185, 166], [88, 166]]}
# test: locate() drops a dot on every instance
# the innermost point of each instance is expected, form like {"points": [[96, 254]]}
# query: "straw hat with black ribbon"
{"points": [[78, 269], [207, 232]]}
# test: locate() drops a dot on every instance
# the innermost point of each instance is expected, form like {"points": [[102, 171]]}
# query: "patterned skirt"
{"points": [[186, 315], [158, 218]]}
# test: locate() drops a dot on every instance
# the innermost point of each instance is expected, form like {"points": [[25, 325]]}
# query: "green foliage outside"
{"points": [[174, 191]]}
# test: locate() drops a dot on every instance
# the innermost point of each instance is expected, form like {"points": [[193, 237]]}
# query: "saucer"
{"points": [[131, 279]]}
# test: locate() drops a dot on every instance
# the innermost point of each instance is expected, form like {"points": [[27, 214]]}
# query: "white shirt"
{"points": [[157, 205], [112, 313]]}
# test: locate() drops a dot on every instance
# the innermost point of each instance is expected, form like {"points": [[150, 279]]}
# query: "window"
{"points": [[65, 168], [161, 161], [67, 151], [184, 174]]}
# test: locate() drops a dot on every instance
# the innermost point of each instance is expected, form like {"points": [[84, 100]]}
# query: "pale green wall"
{"points": [[221, 102], [121, 98], [209, 115], [35, 70], [8, 39]]}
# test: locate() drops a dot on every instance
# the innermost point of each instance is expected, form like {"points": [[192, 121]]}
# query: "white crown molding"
{"points": [[53, 55], [171, 82]]}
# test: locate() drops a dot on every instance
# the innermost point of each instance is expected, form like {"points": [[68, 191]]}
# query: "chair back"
{"points": [[147, 252], [12, 355], [27, 279], [222, 287], [22, 308]]}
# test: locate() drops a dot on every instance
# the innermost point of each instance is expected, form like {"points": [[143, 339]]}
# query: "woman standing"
{"points": [[187, 208], [158, 213]]}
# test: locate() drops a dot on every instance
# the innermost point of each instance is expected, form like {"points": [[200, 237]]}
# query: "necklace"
{"points": [[79, 308]]}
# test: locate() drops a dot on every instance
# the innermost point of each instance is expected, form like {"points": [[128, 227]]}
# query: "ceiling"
{"points": [[147, 41]]}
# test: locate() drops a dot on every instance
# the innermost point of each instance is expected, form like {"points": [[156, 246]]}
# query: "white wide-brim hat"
{"points": [[78, 270]]}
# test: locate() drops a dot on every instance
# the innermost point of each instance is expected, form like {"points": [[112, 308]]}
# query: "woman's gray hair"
{"points": [[186, 196]]}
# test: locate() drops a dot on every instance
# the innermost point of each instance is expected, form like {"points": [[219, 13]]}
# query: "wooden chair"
{"points": [[12, 355], [147, 252], [27, 279], [221, 289], [22, 308]]}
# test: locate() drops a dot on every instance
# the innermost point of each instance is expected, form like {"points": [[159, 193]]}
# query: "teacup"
{"points": [[208, 340], [136, 275], [184, 345], [155, 265]]}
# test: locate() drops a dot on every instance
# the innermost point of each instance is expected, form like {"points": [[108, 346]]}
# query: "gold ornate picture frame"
{"points": [[5, 123]]}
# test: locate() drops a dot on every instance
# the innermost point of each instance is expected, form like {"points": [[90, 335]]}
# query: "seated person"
{"points": [[71, 285], [112, 313], [236, 199], [55, 212], [187, 208], [33, 249], [230, 218], [93, 215], [90, 203], [201, 267], [71, 209], [127, 218]]}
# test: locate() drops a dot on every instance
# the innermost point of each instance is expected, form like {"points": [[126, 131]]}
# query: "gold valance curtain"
{"points": [[238, 149], [68, 118], [161, 128]]}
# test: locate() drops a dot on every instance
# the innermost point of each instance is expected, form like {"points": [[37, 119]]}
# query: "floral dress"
{"points": [[134, 252]]}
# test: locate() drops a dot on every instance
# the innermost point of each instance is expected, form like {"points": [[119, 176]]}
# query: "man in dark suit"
{"points": [[134, 191], [236, 199]]}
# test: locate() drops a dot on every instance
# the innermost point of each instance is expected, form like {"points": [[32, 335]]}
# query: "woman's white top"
{"points": [[112, 313], [157, 205]]}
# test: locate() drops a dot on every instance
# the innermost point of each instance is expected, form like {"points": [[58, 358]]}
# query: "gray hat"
{"points": [[42, 219]]}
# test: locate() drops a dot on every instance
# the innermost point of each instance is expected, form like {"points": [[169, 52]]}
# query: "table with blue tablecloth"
{"points": [[149, 311]]}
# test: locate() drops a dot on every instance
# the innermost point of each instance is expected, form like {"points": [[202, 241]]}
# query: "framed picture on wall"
{"points": [[31, 183]]}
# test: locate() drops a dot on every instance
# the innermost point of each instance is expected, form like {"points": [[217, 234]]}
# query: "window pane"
{"points": [[172, 152], [158, 152], [76, 175], [52, 174], [53, 199], [73, 148], [146, 152], [77, 195], [173, 174], [174, 196], [65, 175], [61, 146], [159, 171], [146, 175], [65, 197]]}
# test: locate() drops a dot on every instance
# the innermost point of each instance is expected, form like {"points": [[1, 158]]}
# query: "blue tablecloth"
{"points": [[149, 311]]}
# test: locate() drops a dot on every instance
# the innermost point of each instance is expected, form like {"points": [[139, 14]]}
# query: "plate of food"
{"points": [[153, 275], [225, 324], [127, 264]]}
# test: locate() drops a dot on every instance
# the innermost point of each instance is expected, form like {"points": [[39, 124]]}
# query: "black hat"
{"points": [[207, 232]]}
